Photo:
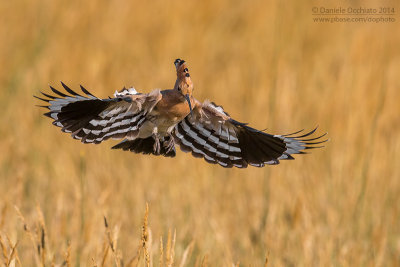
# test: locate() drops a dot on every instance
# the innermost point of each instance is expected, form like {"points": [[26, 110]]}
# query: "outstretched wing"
{"points": [[93, 120], [210, 133]]}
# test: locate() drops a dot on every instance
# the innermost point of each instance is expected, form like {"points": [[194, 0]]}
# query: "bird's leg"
{"points": [[170, 144], [157, 145]]}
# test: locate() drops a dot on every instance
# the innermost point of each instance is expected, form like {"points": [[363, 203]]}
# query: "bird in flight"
{"points": [[155, 122]]}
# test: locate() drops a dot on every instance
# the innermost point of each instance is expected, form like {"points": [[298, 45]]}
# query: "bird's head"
{"points": [[183, 82]]}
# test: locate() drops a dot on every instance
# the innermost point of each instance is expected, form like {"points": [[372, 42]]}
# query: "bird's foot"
{"points": [[170, 144], [157, 145]]}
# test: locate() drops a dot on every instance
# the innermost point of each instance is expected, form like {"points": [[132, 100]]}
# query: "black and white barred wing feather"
{"points": [[210, 133], [93, 120]]}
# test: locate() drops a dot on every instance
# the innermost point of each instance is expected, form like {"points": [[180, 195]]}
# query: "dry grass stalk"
{"points": [[3, 215], [13, 253], [161, 252], [18, 260], [106, 247], [134, 261], [171, 249], [30, 234], [145, 236], [43, 246], [4, 251], [168, 252], [112, 243], [204, 262], [94, 263], [67, 256], [149, 245], [266, 260], [9, 257], [186, 253], [53, 261], [108, 234], [41, 235]]}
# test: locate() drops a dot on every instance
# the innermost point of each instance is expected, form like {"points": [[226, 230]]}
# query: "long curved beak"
{"points": [[188, 100]]}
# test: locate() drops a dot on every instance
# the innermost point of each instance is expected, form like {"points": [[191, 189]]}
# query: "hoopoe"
{"points": [[154, 123]]}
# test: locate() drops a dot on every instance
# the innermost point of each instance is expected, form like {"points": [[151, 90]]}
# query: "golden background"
{"points": [[267, 63]]}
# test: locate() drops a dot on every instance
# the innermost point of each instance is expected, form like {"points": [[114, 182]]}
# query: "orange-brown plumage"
{"points": [[183, 80], [172, 105], [153, 123]]}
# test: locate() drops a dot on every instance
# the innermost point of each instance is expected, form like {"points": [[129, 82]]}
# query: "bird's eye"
{"points": [[186, 70], [179, 88]]}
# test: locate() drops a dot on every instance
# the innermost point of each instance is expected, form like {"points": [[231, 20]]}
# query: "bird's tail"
{"points": [[146, 146]]}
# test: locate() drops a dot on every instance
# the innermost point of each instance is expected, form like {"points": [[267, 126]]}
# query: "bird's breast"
{"points": [[166, 115], [174, 111]]}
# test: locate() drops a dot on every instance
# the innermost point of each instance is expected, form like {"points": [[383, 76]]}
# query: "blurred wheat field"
{"points": [[268, 64]]}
